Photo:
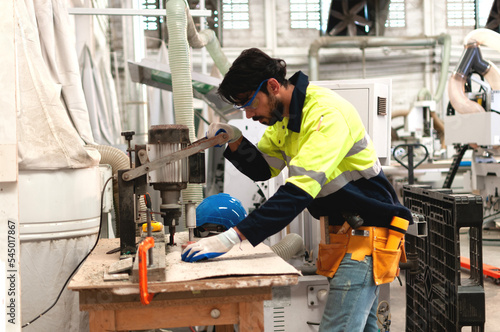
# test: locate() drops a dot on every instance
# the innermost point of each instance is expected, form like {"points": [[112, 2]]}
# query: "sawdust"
{"points": [[241, 260]]}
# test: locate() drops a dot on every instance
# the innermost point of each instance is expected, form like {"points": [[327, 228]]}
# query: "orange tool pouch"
{"points": [[386, 261], [371, 241]]}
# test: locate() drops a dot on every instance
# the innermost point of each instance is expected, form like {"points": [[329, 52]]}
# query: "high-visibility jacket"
{"points": [[332, 163]]}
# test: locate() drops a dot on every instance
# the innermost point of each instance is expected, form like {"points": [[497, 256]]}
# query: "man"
{"points": [[333, 171]]}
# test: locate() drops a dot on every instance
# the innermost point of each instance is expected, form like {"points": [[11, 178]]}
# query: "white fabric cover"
{"points": [[49, 86], [47, 265], [102, 102]]}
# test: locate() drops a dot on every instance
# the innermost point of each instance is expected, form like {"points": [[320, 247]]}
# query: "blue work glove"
{"points": [[217, 128], [211, 247]]}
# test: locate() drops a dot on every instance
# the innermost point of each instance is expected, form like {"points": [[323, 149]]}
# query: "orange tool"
{"points": [[146, 297], [397, 231]]}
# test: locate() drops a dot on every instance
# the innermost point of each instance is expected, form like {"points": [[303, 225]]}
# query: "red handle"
{"points": [[146, 297]]}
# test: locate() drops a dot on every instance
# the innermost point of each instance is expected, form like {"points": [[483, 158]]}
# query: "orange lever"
{"points": [[146, 297]]}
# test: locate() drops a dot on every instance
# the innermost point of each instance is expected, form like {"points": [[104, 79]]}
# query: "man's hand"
{"points": [[217, 127], [211, 247]]}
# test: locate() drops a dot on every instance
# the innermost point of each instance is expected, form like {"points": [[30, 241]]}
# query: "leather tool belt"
{"points": [[360, 242]]}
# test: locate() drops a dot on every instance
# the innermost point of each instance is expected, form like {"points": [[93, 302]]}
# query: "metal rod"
{"points": [[132, 12], [150, 250], [196, 147]]}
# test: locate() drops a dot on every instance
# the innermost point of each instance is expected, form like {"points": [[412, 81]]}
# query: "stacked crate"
{"points": [[437, 298]]}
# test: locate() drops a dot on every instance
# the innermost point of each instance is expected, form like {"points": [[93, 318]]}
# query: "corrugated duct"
{"points": [[181, 29]]}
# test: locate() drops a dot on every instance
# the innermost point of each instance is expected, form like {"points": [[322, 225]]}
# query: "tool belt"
{"points": [[361, 242]]}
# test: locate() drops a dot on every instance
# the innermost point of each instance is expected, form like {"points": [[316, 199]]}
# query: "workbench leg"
{"points": [[224, 328], [102, 320], [251, 316]]}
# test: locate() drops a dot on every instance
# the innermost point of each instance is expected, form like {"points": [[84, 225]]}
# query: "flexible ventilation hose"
{"points": [[118, 160], [180, 64], [207, 38], [472, 60], [289, 246]]}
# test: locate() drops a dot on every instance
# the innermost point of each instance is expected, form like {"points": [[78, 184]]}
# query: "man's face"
{"points": [[268, 110]]}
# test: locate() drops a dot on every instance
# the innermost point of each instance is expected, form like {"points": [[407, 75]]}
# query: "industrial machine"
{"points": [[167, 163]]}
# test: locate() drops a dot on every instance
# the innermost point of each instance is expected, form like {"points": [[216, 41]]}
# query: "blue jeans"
{"points": [[353, 298]]}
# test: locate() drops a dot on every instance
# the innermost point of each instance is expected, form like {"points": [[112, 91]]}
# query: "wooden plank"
{"points": [[102, 320], [156, 272], [251, 317], [127, 287], [180, 316], [224, 328], [324, 230], [99, 300]]}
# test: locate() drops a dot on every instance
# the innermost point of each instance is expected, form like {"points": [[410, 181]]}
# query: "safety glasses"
{"points": [[252, 103]]}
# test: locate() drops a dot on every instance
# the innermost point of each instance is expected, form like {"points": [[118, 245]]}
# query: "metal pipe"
{"points": [[364, 42]]}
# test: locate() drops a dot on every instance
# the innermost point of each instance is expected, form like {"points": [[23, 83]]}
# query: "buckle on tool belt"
{"points": [[359, 232]]}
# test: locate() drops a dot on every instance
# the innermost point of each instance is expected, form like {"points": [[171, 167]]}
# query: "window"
{"points": [[396, 16], [461, 13], [235, 14], [484, 7], [305, 14], [150, 22]]}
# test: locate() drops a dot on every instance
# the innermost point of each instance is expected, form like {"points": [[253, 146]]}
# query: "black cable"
{"points": [[81, 262]]}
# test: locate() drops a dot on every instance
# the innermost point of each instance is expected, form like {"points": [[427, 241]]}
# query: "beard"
{"points": [[276, 114]]}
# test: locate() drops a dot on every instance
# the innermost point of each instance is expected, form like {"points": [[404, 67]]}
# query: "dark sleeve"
{"points": [[249, 160], [275, 214]]}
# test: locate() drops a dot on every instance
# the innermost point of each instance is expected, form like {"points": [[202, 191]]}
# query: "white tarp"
{"points": [[45, 267], [101, 100], [49, 90]]}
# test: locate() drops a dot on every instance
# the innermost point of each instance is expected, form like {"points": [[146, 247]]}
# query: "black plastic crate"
{"points": [[437, 298]]}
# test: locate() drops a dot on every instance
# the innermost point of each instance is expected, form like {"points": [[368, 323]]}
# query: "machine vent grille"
{"points": [[381, 106], [278, 319]]}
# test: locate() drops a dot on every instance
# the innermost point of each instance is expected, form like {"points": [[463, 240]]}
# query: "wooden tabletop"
{"points": [[241, 268]]}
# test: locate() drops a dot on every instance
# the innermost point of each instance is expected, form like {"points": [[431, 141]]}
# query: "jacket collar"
{"points": [[300, 81]]}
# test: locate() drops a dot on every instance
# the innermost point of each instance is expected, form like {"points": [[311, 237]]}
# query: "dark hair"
{"points": [[249, 69]]}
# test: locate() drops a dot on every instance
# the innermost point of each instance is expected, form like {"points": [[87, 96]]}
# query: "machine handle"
{"points": [[410, 166], [146, 297], [196, 147], [410, 154]]}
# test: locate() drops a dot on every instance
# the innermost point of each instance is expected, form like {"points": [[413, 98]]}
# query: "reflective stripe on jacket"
{"points": [[331, 149]]}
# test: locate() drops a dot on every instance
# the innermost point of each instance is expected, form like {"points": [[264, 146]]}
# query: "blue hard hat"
{"points": [[218, 213]]}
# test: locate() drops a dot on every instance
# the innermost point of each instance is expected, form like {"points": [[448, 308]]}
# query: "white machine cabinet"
{"points": [[372, 99]]}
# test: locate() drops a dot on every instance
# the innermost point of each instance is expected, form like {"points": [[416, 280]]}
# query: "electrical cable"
{"points": [[81, 262]]}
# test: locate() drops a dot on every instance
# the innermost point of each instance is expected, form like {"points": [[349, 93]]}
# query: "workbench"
{"points": [[234, 294]]}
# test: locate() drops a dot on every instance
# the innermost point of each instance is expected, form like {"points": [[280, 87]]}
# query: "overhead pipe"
{"points": [[363, 42], [207, 38]]}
